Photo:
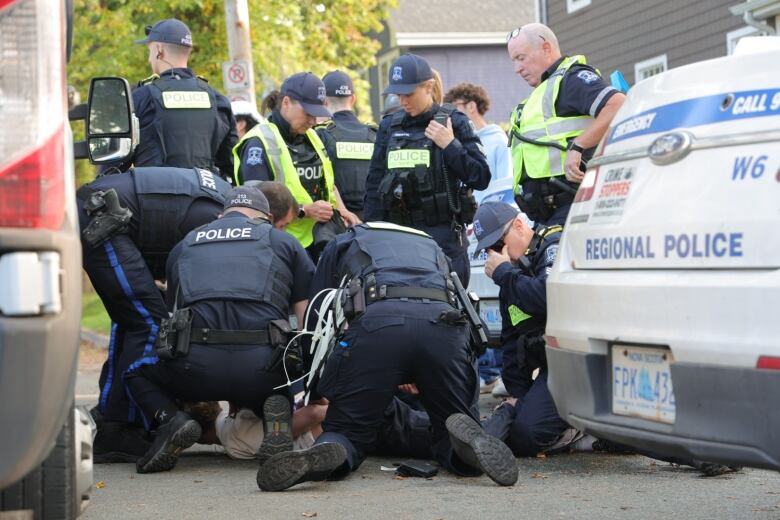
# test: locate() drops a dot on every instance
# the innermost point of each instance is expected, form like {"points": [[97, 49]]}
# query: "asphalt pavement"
{"points": [[207, 484]]}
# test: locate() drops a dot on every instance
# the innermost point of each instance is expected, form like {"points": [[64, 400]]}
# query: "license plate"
{"points": [[642, 383], [491, 314]]}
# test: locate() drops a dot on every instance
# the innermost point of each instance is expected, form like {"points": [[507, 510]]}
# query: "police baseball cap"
{"points": [[247, 197], [490, 221], [309, 91], [338, 84], [171, 31], [407, 72]]}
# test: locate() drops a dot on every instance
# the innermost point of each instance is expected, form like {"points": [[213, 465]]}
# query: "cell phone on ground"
{"points": [[415, 468]]}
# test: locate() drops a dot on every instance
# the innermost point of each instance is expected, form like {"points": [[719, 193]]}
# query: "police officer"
{"points": [[227, 333], [287, 149], [556, 129], [129, 223], [518, 261], [402, 328], [426, 160], [246, 116], [349, 142], [184, 121]]}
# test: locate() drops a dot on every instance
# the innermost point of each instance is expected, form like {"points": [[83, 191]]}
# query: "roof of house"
{"points": [[447, 22]]}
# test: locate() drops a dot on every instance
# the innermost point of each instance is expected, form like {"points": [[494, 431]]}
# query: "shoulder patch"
{"points": [[254, 156], [202, 78], [587, 76], [148, 80], [550, 253]]}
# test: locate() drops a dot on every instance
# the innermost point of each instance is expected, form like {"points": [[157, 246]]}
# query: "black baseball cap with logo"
{"points": [[407, 72], [171, 31], [247, 197], [490, 222], [309, 91], [338, 84]]}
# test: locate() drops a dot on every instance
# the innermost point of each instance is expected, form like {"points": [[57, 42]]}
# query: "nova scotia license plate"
{"points": [[642, 383]]}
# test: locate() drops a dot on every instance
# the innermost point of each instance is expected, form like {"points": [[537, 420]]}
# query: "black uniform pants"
{"points": [[398, 342], [135, 305], [208, 373]]}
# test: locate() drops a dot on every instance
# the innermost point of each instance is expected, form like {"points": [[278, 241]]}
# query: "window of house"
{"points": [[651, 67], [383, 69], [733, 37], [576, 5]]}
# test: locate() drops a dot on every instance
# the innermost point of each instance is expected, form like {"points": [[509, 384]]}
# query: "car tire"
{"points": [[48, 490]]}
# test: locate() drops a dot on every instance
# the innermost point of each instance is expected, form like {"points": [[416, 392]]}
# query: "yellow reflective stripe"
{"points": [[327, 166], [350, 150], [516, 315], [185, 99], [408, 158]]}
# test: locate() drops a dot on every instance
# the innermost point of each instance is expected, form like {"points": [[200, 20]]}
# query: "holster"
{"points": [[534, 345], [173, 339], [109, 218], [354, 300], [280, 333], [478, 336], [468, 206]]}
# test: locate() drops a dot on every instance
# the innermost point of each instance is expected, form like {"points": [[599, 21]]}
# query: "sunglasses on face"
{"points": [[516, 32]]}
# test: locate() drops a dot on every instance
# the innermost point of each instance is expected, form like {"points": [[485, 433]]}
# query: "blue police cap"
{"points": [[309, 91], [407, 72], [171, 31], [338, 84], [489, 222]]}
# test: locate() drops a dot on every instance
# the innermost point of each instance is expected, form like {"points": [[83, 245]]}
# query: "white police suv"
{"points": [[663, 328]]}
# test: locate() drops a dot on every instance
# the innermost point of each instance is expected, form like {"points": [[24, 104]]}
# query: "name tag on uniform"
{"points": [[361, 151], [220, 235], [408, 158], [184, 99]]}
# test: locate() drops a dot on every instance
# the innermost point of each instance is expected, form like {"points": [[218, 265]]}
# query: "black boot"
{"points": [[119, 442], [287, 469], [277, 423], [171, 438], [480, 450]]}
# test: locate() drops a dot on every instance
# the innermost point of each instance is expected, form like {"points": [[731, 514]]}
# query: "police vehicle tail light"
{"points": [[552, 341], [587, 186], [32, 114], [768, 362]]}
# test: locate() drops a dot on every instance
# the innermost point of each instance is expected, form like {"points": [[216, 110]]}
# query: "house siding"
{"points": [[616, 34]]}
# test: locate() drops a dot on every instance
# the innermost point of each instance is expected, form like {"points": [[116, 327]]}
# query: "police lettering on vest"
{"points": [[212, 235], [360, 151], [408, 158]]}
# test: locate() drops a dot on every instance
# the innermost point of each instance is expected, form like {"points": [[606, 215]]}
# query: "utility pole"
{"points": [[238, 73]]}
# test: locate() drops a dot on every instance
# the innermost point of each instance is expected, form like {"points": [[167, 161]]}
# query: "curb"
{"points": [[99, 340]]}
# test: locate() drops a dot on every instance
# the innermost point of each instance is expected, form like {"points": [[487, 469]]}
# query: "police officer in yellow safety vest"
{"points": [[287, 149], [350, 143], [184, 121], [556, 129]]}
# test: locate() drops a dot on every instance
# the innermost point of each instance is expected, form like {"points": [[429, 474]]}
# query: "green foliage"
{"points": [[93, 314], [287, 37]]}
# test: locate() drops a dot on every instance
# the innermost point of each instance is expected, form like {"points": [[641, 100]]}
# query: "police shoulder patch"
{"points": [[254, 156], [550, 253], [148, 80], [587, 76]]}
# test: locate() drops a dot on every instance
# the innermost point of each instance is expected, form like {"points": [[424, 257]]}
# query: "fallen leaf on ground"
{"points": [[309, 514], [399, 477], [538, 475], [100, 485], [541, 456]]}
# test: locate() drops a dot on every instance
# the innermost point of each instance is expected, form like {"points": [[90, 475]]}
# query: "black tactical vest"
{"points": [[164, 196], [186, 131], [413, 190], [354, 148], [395, 257], [249, 270]]}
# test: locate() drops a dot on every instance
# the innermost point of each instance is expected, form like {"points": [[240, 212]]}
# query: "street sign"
{"points": [[235, 74]]}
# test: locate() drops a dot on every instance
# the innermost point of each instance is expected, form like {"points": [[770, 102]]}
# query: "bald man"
{"points": [[556, 129]]}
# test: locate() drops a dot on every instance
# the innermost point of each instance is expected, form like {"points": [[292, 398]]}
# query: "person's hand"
{"points": [[349, 218], [409, 388], [495, 259], [572, 166], [440, 134], [320, 210]]}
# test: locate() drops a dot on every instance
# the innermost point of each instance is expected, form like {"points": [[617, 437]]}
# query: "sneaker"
{"points": [[499, 390], [605, 446], [171, 438], [712, 469], [480, 450], [119, 442], [287, 469], [277, 423]]}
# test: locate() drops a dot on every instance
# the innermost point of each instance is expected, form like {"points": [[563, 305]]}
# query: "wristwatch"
{"points": [[574, 146], [301, 211]]}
